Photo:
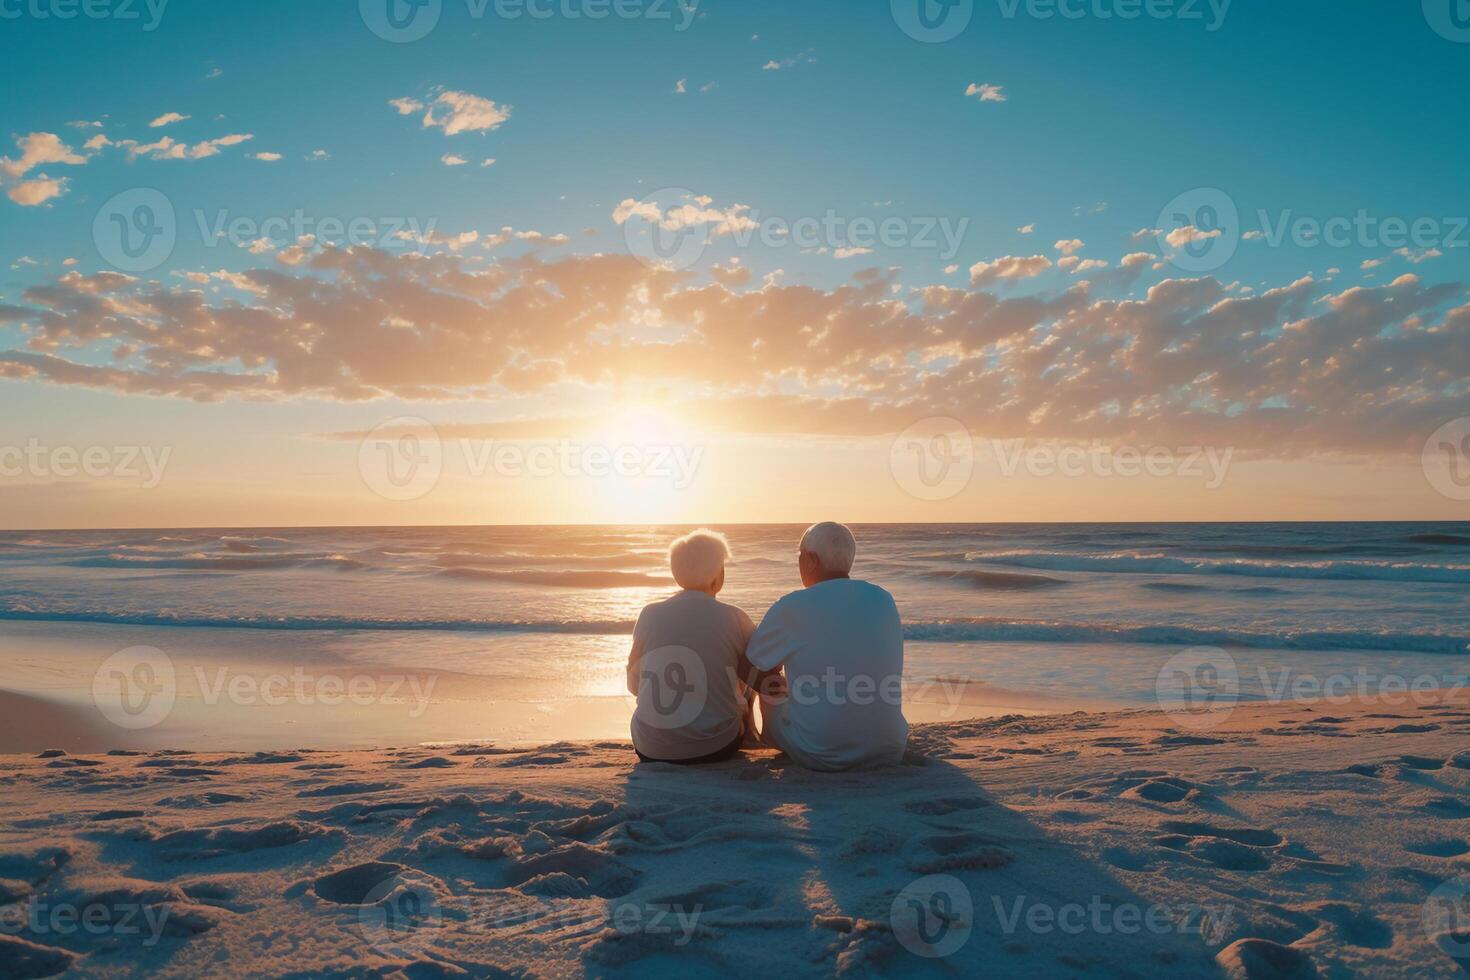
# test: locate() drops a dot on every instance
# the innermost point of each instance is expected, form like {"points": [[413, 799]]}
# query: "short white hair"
{"points": [[833, 544], [697, 557]]}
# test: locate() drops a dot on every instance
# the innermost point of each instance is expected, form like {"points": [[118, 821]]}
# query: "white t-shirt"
{"points": [[841, 642], [684, 667]]}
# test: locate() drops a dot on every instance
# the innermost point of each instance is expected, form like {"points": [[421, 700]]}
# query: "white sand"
{"points": [[1287, 841]]}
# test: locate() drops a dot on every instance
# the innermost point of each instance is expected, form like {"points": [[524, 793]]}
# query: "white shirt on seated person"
{"points": [[840, 642]]}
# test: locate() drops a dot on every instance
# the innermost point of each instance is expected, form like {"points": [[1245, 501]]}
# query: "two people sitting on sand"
{"points": [[826, 663]]}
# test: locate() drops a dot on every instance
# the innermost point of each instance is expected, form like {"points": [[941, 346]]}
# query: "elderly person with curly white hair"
{"points": [[687, 658]]}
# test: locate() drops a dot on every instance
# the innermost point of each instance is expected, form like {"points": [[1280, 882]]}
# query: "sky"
{"points": [[586, 261]]}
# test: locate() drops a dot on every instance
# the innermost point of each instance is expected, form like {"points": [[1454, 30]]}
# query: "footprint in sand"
{"points": [[1449, 807], [211, 842], [1421, 762], [1355, 926], [351, 886], [1262, 959], [602, 875], [944, 805], [24, 960], [1440, 847], [1168, 789], [1250, 836], [1229, 848], [951, 852]]}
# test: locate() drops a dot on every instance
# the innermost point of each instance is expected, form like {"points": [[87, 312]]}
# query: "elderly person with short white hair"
{"points": [[839, 644], [687, 658]]}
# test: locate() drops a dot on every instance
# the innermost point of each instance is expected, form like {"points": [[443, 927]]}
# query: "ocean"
{"points": [[1082, 613]]}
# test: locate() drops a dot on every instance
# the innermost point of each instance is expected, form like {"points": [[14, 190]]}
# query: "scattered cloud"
{"points": [[168, 119], [681, 86], [697, 211], [455, 112], [807, 57], [1295, 369], [266, 157], [986, 92], [487, 162], [37, 150], [1008, 268], [316, 156], [453, 160], [1027, 229], [1069, 245], [167, 148], [1188, 235]]}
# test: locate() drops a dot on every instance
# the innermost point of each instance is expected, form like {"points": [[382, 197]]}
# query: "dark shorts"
{"points": [[728, 752]]}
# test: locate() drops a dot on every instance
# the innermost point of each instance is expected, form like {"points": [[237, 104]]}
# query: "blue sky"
{"points": [[1094, 124]]}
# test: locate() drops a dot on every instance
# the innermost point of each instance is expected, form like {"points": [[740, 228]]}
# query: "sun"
{"points": [[653, 474]]}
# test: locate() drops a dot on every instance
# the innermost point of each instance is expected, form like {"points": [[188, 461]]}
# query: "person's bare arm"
{"points": [[635, 656], [769, 684]]}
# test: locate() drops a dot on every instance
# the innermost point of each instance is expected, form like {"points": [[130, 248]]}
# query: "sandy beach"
{"points": [[1290, 840]]}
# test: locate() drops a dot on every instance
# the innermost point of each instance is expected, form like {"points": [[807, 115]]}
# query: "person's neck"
{"points": [[831, 577]]}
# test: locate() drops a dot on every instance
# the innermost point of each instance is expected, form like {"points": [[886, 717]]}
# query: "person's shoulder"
{"points": [[735, 612], [875, 594], [873, 588]]}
